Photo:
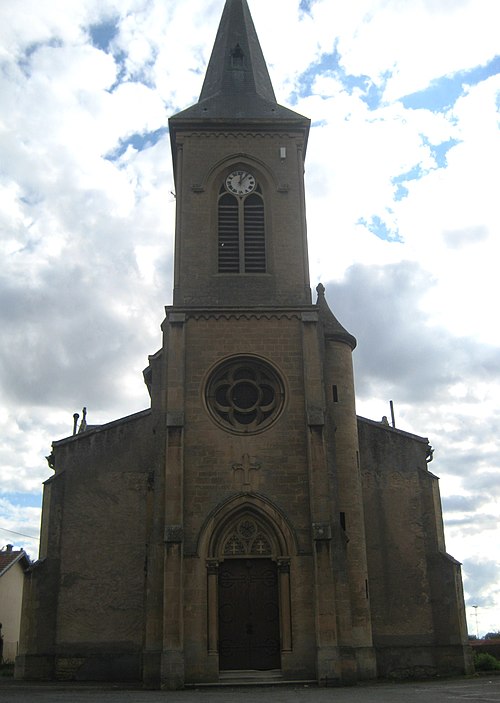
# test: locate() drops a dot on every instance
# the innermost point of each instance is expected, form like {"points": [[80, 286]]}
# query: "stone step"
{"points": [[251, 677]]}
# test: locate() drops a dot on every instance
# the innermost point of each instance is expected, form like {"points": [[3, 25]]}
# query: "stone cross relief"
{"points": [[247, 465]]}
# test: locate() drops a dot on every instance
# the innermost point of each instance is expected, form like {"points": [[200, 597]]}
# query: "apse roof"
{"points": [[332, 328]]}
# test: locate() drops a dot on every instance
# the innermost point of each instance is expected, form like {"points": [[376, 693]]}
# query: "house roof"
{"points": [[9, 557]]}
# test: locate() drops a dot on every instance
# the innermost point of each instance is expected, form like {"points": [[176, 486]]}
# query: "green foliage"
{"points": [[486, 662], [492, 636]]}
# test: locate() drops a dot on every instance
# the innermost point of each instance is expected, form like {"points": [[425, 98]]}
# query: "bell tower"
{"points": [[239, 164], [252, 491]]}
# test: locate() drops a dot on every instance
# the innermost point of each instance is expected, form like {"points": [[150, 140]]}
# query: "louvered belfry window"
{"points": [[229, 236], [241, 229]]}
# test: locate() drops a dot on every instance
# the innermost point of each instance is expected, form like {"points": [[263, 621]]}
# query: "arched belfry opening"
{"points": [[249, 611], [241, 224]]}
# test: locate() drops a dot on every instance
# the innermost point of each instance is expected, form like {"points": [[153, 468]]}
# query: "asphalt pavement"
{"points": [[482, 689]]}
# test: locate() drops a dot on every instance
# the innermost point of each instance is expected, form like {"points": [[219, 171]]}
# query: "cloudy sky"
{"points": [[403, 181]]}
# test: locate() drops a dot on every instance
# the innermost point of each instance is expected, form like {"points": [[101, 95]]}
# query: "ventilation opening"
{"points": [[255, 242], [241, 233], [237, 57], [229, 245]]}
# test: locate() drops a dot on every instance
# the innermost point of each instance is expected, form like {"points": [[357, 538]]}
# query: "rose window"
{"points": [[245, 395]]}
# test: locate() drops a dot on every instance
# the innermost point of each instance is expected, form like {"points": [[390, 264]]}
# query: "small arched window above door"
{"points": [[247, 538], [241, 225]]}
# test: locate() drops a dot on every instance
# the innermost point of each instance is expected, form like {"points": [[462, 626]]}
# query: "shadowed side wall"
{"points": [[417, 606], [84, 606]]}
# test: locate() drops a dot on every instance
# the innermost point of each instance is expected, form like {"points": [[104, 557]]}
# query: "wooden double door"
{"points": [[249, 628]]}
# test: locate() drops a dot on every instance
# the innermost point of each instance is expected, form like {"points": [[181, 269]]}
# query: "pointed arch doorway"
{"points": [[249, 594], [249, 627]]}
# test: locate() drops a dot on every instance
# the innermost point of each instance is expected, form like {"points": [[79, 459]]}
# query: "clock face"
{"points": [[240, 182]]}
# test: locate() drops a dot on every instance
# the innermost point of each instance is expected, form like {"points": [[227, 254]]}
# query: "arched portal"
{"points": [[249, 613], [248, 597]]}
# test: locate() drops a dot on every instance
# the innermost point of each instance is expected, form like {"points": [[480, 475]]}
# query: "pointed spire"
{"points": [[237, 85], [237, 64], [331, 326]]}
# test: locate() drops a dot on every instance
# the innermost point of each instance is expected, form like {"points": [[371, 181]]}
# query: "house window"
{"points": [[241, 225]]}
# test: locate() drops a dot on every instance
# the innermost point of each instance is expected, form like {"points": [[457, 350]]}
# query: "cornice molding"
{"points": [[239, 314], [243, 316], [239, 134]]}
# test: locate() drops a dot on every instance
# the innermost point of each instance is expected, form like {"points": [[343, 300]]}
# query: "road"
{"points": [[476, 690]]}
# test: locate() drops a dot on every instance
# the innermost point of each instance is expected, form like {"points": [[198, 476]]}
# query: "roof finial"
{"points": [[83, 423], [320, 290]]}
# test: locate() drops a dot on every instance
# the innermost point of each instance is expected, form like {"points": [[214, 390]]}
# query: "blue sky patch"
{"points": [[372, 92], [330, 65], [438, 97], [319, 123], [379, 228], [305, 6], [25, 500], [103, 34], [327, 65], [412, 175], [138, 142], [373, 95], [442, 93], [440, 151]]}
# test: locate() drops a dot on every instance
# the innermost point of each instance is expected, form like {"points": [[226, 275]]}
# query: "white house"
{"points": [[13, 564]]}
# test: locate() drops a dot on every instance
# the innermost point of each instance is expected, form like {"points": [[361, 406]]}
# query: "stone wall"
{"points": [[84, 609], [418, 614]]}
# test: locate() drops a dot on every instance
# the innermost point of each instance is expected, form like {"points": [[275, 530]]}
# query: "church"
{"points": [[248, 525]]}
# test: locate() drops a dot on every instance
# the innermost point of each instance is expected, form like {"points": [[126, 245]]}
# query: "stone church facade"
{"points": [[248, 521]]}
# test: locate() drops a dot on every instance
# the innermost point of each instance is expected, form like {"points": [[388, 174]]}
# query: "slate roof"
{"points": [[331, 326], [237, 83], [9, 558]]}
